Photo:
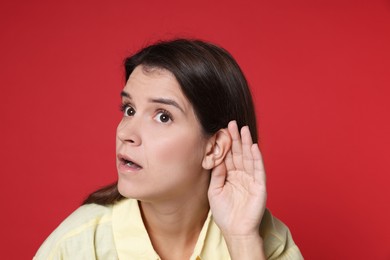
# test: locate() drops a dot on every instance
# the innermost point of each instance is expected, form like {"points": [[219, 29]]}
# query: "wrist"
{"points": [[245, 246]]}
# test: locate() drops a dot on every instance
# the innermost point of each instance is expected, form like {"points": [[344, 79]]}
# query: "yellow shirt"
{"points": [[118, 232]]}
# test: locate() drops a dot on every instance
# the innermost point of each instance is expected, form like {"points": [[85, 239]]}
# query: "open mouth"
{"points": [[130, 164]]}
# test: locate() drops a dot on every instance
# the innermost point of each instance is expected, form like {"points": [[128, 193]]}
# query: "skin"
{"points": [[237, 196], [180, 174]]}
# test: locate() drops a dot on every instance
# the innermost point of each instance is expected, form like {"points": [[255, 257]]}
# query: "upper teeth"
{"points": [[129, 162]]}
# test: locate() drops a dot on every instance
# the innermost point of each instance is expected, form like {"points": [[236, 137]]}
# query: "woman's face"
{"points": [[159, 143]]}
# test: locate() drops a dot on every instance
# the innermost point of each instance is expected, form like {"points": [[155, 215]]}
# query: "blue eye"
{"points": [[163, 117]]}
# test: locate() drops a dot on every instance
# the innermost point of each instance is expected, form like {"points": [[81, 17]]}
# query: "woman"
{"points": [[190, 185]]}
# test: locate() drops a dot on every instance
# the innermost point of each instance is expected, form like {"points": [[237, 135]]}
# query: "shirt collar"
{"points": [[132, 240], [130, 235]]}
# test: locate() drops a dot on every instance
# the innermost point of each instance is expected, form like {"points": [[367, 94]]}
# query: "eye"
{"points": [[128, 110], [163, 117]]}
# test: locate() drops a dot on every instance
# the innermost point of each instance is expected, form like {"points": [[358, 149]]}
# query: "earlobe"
{"points": [[216, 149]]}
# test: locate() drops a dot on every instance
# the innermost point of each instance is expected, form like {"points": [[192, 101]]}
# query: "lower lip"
{"points": [[124, 168]]}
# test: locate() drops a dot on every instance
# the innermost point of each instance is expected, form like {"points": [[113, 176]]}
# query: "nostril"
{"points": [[132, 140]]}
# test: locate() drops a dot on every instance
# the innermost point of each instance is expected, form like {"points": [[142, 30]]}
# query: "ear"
{"points": [[216, 149]]}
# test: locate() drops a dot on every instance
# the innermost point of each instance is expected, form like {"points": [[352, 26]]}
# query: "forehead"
{"points": [[157, 78], [155, 83]]}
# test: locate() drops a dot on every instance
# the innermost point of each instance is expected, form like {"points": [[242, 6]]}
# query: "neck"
{"points": [[174, 226], [174, 219]]}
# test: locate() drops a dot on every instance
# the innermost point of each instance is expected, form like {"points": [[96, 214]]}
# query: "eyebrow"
{"points": [[125, 94], [164, 101]]}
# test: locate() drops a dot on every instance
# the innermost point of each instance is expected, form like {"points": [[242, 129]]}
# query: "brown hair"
{"points": [[211, 80]]}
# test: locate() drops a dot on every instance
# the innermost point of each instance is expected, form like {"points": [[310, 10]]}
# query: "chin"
{"points": [[132, 191], [125, 190]]}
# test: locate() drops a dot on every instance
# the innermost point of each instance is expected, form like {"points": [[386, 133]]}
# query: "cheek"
{"points": [[180, 150]]}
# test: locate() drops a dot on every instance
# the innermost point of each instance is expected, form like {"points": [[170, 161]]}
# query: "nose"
{"points": [[128, 131]]}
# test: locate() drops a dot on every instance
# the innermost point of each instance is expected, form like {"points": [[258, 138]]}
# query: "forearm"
{"points": [[245, 248]]}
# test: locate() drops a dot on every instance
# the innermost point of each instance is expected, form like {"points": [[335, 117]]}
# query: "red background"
{"points": [[320, 75]]}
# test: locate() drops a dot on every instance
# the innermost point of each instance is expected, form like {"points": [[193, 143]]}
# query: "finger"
{"points": [[229, 161], [259, 171], [236, 145], [218, 177], [247, 157]]}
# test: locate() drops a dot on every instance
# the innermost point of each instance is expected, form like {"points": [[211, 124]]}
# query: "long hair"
{"points": [[211, 80]]}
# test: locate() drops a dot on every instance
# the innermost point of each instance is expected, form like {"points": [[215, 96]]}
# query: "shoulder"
{"points": [[77, 230], [277, 239], [85, 217]]}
